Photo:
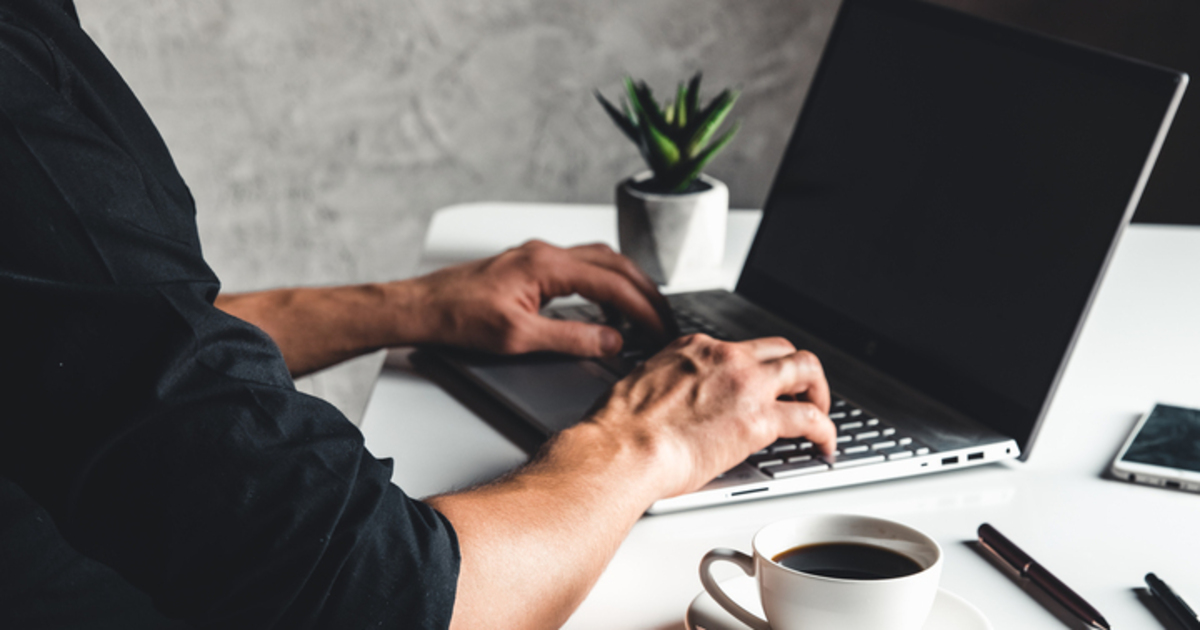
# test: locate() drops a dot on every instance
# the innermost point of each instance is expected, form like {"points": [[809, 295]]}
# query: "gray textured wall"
{"points": [[319, 135]]}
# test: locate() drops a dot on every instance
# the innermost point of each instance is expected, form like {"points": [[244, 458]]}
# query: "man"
{"points": [[156, 462]]}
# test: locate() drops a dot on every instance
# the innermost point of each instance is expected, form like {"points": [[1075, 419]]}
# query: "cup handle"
{"points": [[746, 564]]}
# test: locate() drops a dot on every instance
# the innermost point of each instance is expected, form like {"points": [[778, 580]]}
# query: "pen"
{"points": [[1012, 555], [1173, 603]]}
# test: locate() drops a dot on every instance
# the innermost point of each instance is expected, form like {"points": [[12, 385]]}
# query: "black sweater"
{"points": [[152, 448]]}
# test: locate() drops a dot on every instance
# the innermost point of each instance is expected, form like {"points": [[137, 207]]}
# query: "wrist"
{"points": [[628, 464], [403, 317]]}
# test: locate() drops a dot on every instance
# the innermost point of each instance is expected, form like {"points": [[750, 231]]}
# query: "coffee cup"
{"points": [[839, 571]]}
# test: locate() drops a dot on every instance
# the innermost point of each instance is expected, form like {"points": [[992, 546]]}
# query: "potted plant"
{"points": [[671, 219]]}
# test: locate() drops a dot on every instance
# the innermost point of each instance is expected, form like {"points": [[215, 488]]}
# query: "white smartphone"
{"points": [[1163, 450]]}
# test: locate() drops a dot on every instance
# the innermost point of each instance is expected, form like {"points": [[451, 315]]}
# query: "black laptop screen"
{"points": [[948, 200]]}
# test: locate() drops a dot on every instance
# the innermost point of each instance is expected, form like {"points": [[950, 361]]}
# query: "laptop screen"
{"points": [[949, 199]]}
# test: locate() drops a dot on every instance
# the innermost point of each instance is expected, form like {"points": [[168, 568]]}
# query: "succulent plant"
{"points": [[676, 139]]}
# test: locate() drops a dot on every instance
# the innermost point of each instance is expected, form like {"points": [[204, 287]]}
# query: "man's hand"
{"points": [[701, 406], [490, 304], [494, 304], [535, 542]]}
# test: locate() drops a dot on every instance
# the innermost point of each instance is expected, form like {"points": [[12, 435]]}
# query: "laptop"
{"points": [[940, 222]]}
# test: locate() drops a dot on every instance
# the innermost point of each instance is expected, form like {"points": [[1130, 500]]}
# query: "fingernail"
{"points": [[610, 341]]}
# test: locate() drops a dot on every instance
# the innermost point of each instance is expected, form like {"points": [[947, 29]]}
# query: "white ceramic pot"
{"points": [[673, 236]]}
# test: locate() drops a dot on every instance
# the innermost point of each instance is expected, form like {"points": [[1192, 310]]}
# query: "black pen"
{"points": [[1173, 603], [1012, 555]]}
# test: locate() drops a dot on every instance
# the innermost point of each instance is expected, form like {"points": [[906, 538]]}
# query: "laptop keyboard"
{"points": [[638, 346], [862, 438]]}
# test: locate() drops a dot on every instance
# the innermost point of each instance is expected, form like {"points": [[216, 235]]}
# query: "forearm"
{"points": [[534, 544], [319, 327]]}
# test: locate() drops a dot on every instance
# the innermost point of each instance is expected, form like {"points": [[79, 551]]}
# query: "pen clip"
{"points": [[1004, 549]]}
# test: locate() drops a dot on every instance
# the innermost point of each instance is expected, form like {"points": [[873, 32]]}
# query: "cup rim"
{"points": [[925, 538]]}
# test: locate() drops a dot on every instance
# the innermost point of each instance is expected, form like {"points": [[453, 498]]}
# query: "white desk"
{"points": [[1141, 344]]}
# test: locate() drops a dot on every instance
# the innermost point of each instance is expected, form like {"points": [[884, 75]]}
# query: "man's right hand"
{"points": [[701, 406], [534, 542]]}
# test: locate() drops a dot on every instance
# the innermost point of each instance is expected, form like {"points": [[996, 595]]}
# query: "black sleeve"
{"points": [[164, 437]]}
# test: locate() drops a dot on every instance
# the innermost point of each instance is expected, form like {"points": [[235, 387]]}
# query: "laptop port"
{"points": [[946, 461], [1171, 484], [974, 457], [751, 491]]}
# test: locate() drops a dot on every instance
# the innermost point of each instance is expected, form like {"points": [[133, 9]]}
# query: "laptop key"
{"points": [[858, 448], [879, 446], [849, 426], [849, 460], [757, 458], [796, 468], [774, 461], [783, 447], [866, 435], [896, 453]]}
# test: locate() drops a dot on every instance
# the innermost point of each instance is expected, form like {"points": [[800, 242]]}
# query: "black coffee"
{"points": [[848, 560]]}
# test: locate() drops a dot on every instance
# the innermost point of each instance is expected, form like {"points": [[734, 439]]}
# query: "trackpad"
{"points": [[554, 393]]}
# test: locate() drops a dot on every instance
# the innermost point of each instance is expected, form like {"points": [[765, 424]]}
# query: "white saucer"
{"points": [[950, 612]]}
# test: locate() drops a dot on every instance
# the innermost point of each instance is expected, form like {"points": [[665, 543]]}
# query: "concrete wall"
{"points": [[319, 135]]}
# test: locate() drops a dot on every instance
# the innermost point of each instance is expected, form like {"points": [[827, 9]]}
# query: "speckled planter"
{"points": [[671, 236]]}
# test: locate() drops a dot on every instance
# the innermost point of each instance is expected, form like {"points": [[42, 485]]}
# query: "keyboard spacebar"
{"points": [[855, 459], [797, 468]]}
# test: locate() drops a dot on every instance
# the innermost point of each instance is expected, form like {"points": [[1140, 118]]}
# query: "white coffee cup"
{"points": [[794, 600]]}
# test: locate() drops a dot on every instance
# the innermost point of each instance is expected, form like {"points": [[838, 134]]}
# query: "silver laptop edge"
{"points": [[1134, 199]]}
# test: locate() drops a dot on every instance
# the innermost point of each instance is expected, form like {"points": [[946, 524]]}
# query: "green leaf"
{"points": [[696, 166], [644, 105], [638, 116], [710, 121], [622, 119], [681, 112], [693, 98], [664, 150], [668, 113]]}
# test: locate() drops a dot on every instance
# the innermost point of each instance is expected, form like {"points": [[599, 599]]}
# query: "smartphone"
{"points": [[1163, 450]]}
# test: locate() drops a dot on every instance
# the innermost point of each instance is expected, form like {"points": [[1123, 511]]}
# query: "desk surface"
{"points": [[1141, 344]]}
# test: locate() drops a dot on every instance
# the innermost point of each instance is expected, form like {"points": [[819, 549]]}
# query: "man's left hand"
{"points": [[494, 304]]}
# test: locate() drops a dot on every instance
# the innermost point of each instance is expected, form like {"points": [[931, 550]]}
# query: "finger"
{"points": [[768, 348], [603, 256], [805, 419], [577, 338], [801, 373], [600, 284]]}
